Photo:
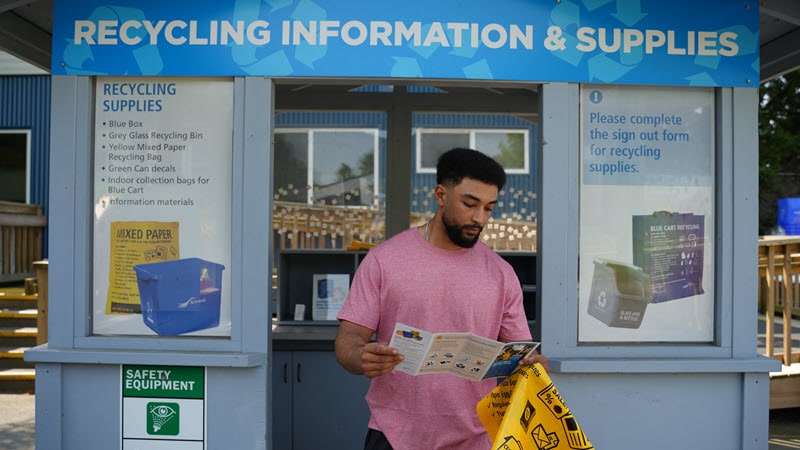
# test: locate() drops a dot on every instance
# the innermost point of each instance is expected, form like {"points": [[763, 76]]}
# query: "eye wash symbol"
{"points": [[163, 419]]}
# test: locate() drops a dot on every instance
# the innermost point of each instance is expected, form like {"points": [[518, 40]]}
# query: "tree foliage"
{"points": [[779, 145], [344, 172], [512, 151]]}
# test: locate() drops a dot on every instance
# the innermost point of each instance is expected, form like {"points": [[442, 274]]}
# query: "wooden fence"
{"points": [[779, 287], [21, 240]]}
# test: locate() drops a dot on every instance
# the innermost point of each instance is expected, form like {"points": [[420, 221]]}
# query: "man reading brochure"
{"points": [[440, 278]]}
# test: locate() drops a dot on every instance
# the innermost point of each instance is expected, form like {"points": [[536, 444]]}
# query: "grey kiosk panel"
{"points": [[712, 395]]}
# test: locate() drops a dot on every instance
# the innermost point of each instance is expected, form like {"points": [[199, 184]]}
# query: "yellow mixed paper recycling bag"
{"points": [[135, 243], [526, 412]]}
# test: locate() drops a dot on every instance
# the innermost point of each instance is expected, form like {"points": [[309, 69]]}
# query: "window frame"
{"points": [[310, 131], [418, 132], [27, 133]]}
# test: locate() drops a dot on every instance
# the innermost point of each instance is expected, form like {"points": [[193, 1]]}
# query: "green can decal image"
{"points": [[163, 419]]}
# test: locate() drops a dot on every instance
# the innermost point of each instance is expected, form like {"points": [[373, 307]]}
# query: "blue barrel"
{"points": [[789, 215]]}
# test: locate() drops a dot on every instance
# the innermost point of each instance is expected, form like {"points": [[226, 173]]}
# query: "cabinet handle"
{"points": [[285, 373], [298, 373]]}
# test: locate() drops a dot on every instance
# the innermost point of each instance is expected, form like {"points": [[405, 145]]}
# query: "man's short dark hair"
{"points": [[459, 163]]}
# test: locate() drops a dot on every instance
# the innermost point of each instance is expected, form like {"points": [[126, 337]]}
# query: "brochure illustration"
{"points": [[462, 354]]}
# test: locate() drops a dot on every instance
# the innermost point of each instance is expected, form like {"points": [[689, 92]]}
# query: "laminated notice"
{"points": [[527, 412], [135, 243], [670, 248]]}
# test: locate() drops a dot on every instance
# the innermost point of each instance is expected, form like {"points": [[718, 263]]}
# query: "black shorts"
{"points": [[376, 441]]}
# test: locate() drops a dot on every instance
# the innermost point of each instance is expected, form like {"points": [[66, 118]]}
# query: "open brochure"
{"points": [[462, 354]]}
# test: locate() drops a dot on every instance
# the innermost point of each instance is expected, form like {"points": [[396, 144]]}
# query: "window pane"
{"points": [[291, 167], [507, 148], [13, 147], [344, 168], [434, 144], [340, 207]]}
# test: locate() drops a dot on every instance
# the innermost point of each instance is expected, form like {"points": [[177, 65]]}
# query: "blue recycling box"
{"points": [[789, 215], [180, 296]]}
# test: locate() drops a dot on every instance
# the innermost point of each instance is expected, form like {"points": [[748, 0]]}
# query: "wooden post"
{"points": [[788, 301], [7, 256], [41, 303], [770, 319]]}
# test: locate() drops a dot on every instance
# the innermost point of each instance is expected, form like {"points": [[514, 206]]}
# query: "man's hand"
{"points": [[534, 358], [378, 359], [359, 356]]}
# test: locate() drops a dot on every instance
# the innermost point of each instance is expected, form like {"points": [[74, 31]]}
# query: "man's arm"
{"points": [[359, 356]]}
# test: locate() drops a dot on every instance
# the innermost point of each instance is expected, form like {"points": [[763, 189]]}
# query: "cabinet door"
{"points": [[329, 407], [282, 400]]}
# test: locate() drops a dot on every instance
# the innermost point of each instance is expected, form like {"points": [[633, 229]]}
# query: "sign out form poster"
{"points": [[647, 214]]}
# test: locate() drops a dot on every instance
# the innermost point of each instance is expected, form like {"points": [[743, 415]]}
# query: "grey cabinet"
{"points": [[281, 401], [316, 403]]}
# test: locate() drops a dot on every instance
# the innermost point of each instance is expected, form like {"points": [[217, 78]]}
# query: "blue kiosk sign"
{"points": [[587, 41]]}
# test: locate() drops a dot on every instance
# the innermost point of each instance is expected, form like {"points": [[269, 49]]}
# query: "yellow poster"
{"points": [[526, 412], [135, 243]]}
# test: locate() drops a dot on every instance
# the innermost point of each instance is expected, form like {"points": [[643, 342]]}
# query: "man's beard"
{"points": [[456, 233]]}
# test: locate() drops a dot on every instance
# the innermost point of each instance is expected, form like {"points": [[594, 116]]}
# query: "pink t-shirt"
{"points": [[407, 279]]}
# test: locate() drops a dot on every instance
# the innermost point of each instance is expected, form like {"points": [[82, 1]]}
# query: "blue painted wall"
{"points": [[25, 104]]}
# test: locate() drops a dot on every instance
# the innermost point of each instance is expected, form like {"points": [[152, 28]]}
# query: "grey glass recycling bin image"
{"points": [[620, 294]]}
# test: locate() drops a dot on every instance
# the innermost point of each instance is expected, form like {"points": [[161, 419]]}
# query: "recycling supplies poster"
{"points": [[527, 412], [162, 194], [647, 173]]}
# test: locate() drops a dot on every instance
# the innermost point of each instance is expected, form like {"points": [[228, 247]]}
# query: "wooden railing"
{"points": [[41, 301], [779, 286], [21, 231]]}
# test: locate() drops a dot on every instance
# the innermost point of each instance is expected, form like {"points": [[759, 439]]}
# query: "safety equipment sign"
{"points": [[163, 407]]}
